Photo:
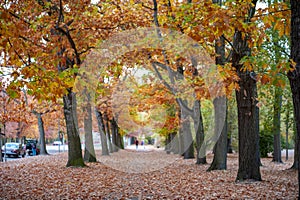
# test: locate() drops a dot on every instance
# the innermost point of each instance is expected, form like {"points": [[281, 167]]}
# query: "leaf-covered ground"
{"points": [[131, 174]]}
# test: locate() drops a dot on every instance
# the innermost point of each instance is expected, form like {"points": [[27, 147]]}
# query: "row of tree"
{"points": [[197, 50]]}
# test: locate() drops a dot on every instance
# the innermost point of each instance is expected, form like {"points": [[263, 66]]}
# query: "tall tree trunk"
{"points": [[89, 151], [43, 150], [101, 129], [113, 127], [188, 143], [168, 143], [296, 153], [248, 122], [74, 153], [107, 131], [294, 75], [180, 136], [174, 143], [249, 161], [199, 130], [220, 154], [120, 142], [220, 148], [248, 112], [276, 125]]}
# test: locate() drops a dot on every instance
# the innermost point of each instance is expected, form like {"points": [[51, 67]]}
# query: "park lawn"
{"points": [[140, 175]]}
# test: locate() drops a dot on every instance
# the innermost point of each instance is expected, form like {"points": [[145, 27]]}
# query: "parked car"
{"points": [[29, 144], [13, 149], [57, 143]]}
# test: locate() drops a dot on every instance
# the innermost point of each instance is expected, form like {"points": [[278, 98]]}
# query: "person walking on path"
{"points": [[136, 144], [33, 147], [142, 143]]}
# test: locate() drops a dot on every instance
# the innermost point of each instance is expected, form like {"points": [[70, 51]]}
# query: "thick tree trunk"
{"points": [[174, 143], [101, 129], [199, 130], [294, 75], [107, 131], [180, 136], [168, 143], [120, 142], [220, 148], [114, 127], [249, 160], [188, 144], [248, 112], [276, 126], [296, 153], [43, 150], [74, 153], [89, 151], [220, 154]]}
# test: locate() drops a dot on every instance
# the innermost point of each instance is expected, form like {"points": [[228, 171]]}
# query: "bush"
{"points": [[265, 143]]}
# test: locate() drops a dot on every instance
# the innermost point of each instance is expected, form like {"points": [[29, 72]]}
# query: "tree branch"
{"points": [[178, 100], [20, 57], [229, 43]]}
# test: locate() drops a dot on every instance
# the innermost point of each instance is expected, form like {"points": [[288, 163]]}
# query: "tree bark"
{"points": [[43, 150], [199, 130], [168, 143], [105, 151], [276, 125], [89, 151], [249, 160], [220, 154], [220, 148], [75, 152], [248, 112], [188, 144], [174, 143], [294, 74], [120, 142], [114, 127], [107, 131]]}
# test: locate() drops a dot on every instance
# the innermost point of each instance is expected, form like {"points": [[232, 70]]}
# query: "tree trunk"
{"points": [[113, 127], [89, 151], [199, 130], [101, 129], [248, 122], [107, 131], [43, 150], [220, 154], [120, 142], [188, 144], [294, 75], [168, 143], [296, 153], [74, 153], [220, 148], [276, 126]]}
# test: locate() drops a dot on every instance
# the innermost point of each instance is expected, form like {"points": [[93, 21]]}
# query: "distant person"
{"points": [[142, 143], [137, 144], [33, 148]]}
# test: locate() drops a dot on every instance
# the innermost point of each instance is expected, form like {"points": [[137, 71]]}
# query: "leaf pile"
{"points": [[140, 175]]}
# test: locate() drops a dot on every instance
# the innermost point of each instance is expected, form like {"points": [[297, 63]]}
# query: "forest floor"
{"points": [[143, 174]]}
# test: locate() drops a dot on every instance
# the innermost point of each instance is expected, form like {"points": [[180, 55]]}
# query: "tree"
{"points": [[246, 97], [294, 73], [89, 151], [101, 128], [220, 149], [46, 44]]}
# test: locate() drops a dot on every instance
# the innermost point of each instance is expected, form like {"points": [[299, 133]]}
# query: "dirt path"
{"points": [[140, 175]]}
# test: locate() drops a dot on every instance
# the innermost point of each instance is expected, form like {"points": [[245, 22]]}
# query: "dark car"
{"points": [[29, 144], [13, 149]]}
